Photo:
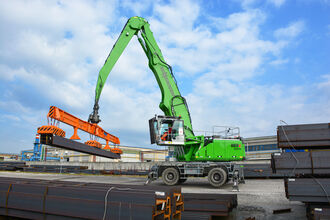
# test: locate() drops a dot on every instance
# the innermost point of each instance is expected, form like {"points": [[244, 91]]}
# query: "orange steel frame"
{"points": [[93, 129]]}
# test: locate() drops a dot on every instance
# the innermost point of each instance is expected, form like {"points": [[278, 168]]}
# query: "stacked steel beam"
{"points": [[302, 163], [55, 168], [12, 166], [260, 171], [313, 138], [72, 169], [314, 192], [307, 136], [39, 199], [125, 172], [60, 169], [308, 190], [311, 166], [208, 206]]}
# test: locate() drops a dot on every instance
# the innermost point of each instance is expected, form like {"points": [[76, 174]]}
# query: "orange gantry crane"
{"points": [[56, 115]]}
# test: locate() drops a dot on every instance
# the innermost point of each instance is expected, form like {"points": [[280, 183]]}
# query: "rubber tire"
{"points": [[171, 176], [217, 177]]}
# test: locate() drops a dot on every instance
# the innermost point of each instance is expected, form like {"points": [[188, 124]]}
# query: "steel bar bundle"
{"points": [[259, 171], [61, 142], [308, 190], [76, 170], [55, 168], [12, 166], [207, 206], [302, 163], [175, 204], [307, 136], [125, 172], [39, 199]]}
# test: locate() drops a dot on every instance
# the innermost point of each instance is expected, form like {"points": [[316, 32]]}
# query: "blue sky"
{"points": [[242, 63]]}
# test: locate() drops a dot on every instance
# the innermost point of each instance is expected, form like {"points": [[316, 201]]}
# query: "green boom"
{"points": [[172, 104]]}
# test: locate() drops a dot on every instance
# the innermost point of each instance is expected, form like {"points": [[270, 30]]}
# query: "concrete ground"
{"points": [[257, 197]]}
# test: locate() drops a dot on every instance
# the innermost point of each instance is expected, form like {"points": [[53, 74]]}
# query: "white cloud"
{"points": [[247, 4], [291, 31], [278, 62], [277, 3], [10, 117], [325, 83], [234, 51], [34, 48], [257, 110]]}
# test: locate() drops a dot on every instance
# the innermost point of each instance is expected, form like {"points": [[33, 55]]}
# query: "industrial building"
{"points": [[8, 156], [260, 147], [130, 154]]}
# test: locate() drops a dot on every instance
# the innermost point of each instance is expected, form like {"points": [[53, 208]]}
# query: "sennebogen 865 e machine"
{"points": [[191, 155]]}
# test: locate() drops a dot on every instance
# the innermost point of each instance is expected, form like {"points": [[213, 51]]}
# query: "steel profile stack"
{"points": [[311, 166], [314, 192], [69, 169], [313, 139], [306, 136], [39, 199], [55, 168], [302, 163], [12, 165], [259, 171], [208, 206], [125, 172], [308, 190], [175, 205]]}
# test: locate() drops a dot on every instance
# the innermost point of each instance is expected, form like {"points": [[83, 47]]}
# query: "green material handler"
{"points": [[174, 129]]}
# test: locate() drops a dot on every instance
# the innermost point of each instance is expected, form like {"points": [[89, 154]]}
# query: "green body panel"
{"points": [[221, 150], [172, 103], [216, 150]]}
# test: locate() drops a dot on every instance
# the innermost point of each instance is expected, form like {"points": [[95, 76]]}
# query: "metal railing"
{"points": [[221, 132]]}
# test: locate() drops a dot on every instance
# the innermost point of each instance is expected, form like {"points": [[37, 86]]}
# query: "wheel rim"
{"points": [[170, 176], [217, 177]]}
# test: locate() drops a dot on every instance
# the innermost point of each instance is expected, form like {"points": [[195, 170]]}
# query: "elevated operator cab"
{"points": [[166, 130]]}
